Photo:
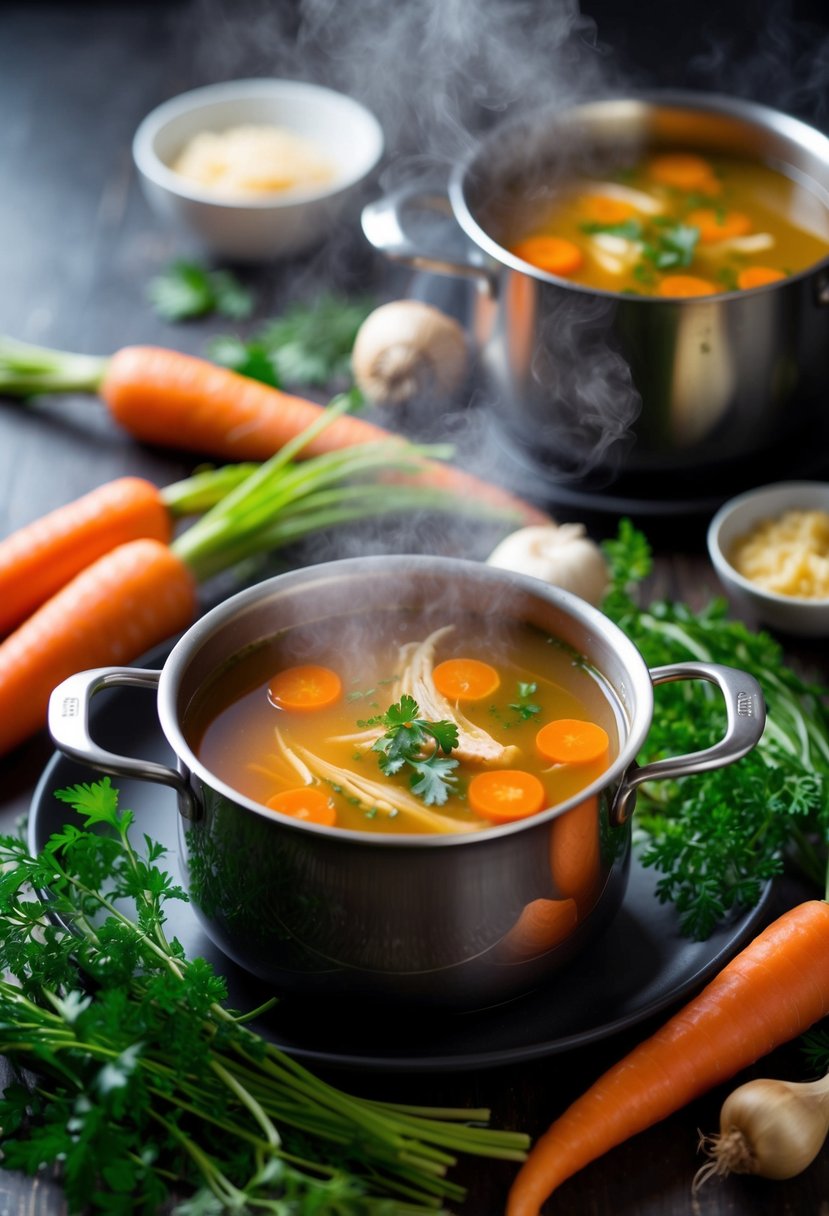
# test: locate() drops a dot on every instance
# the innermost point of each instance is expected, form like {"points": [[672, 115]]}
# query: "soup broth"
{"points": [[315, 723], [679, 224]]}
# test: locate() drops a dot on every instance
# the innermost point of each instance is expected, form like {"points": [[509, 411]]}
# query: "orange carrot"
{"points": [[132, 598], [714, 225], [504, 794], [572, 741], [684, 171], [180, 401], [758, 276], [551, 253], [38, 559], [304, 688], [465, 679], [306, 802], [600, 209], [543, 924], [575, 856], [774, 990], [163, 397], [686, 285]]}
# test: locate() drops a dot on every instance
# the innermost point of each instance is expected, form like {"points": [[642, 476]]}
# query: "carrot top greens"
{"points": [[717, 837]]}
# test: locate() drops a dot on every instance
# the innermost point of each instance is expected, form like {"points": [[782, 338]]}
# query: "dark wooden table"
{"points": [[77, 249]]}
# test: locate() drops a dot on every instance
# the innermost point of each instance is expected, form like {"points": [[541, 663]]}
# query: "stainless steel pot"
{"points": [[589, 379], [424, 918]]}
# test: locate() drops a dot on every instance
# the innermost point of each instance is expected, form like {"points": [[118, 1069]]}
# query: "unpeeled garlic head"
{"points": [[560, 554]]}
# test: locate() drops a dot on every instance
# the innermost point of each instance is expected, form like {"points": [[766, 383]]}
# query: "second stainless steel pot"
{"points": [[628, 383]]}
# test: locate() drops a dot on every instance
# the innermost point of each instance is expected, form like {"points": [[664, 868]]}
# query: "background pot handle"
{"points": [[383, 225], [69, 728], [745, 719]]}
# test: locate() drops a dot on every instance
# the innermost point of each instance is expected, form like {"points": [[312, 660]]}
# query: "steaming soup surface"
{"points": [[678, 224], [294, 723]]}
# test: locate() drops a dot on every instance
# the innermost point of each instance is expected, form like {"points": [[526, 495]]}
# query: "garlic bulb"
{"points": [[773, 1129], [560, 554], [407, 349]]}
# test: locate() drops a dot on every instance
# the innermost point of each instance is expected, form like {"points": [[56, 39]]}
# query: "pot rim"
{"points": [[794, 130], [596, 623]]}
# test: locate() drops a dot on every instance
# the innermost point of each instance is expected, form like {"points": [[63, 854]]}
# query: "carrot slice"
{"points": [[758, 276], [306, 802], [683, 285], [304, 688], [504, 794], [684, 171], [714, 225], [543, 924], [572, 741], [551, 253], [599, 209], [465, 679], [575, 855]]}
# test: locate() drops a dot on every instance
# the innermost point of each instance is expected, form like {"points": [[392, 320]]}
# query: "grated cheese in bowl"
{"points": [[788, 555], [252, 160]]}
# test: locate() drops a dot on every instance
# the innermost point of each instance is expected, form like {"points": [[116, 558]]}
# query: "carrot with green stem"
{"points": [[164, 397], [42, 556], [144, 591], [773, 991]]}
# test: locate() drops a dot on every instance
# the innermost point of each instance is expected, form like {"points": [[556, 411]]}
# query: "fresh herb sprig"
{"points": [[309, 344], [144, 1085], [413, 743], [717, 837], [185, 290]]}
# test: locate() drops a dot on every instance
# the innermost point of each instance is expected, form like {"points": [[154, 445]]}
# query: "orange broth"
{"points": [[679, 224], [245, 739]]}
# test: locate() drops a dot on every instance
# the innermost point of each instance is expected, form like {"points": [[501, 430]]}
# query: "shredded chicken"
{"points": [[369, 794], [475, 745]]}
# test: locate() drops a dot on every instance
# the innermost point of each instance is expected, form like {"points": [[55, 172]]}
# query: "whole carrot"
{"points": [[130, 599], [38, 559], [113, 610], [774, 990], [164, 397]]}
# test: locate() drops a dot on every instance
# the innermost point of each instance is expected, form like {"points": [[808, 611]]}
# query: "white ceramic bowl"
{"points": [[277, 225], [790, 614]]}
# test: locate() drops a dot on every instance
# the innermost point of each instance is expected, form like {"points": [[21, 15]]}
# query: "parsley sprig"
{"points": [[719, 836], [413, 743], [144, 1085], [185, 290]]}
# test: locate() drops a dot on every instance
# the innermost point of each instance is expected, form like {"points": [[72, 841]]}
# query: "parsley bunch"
{"points": [[143, 1083], [412, 742], [717, 837]]}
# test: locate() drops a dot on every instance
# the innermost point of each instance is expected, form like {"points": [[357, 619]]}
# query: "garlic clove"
{"points": [[559, 554], [407, 349]]}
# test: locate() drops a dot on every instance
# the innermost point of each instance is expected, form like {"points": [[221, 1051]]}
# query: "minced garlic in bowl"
{"points": [[252, 160], [788, 554]]}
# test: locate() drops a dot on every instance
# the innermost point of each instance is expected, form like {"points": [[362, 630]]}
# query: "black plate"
{"points": [[641, 965]]}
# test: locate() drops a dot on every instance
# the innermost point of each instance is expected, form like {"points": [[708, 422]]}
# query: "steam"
{"points": [[440, 75], [790, 55]]}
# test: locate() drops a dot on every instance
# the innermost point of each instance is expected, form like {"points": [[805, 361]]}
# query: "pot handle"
{"points": [[745, 720], [69, 728], [383, 226]]}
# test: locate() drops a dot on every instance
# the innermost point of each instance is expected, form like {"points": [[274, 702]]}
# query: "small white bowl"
{"points": [[277, 225], [788, 613]]}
